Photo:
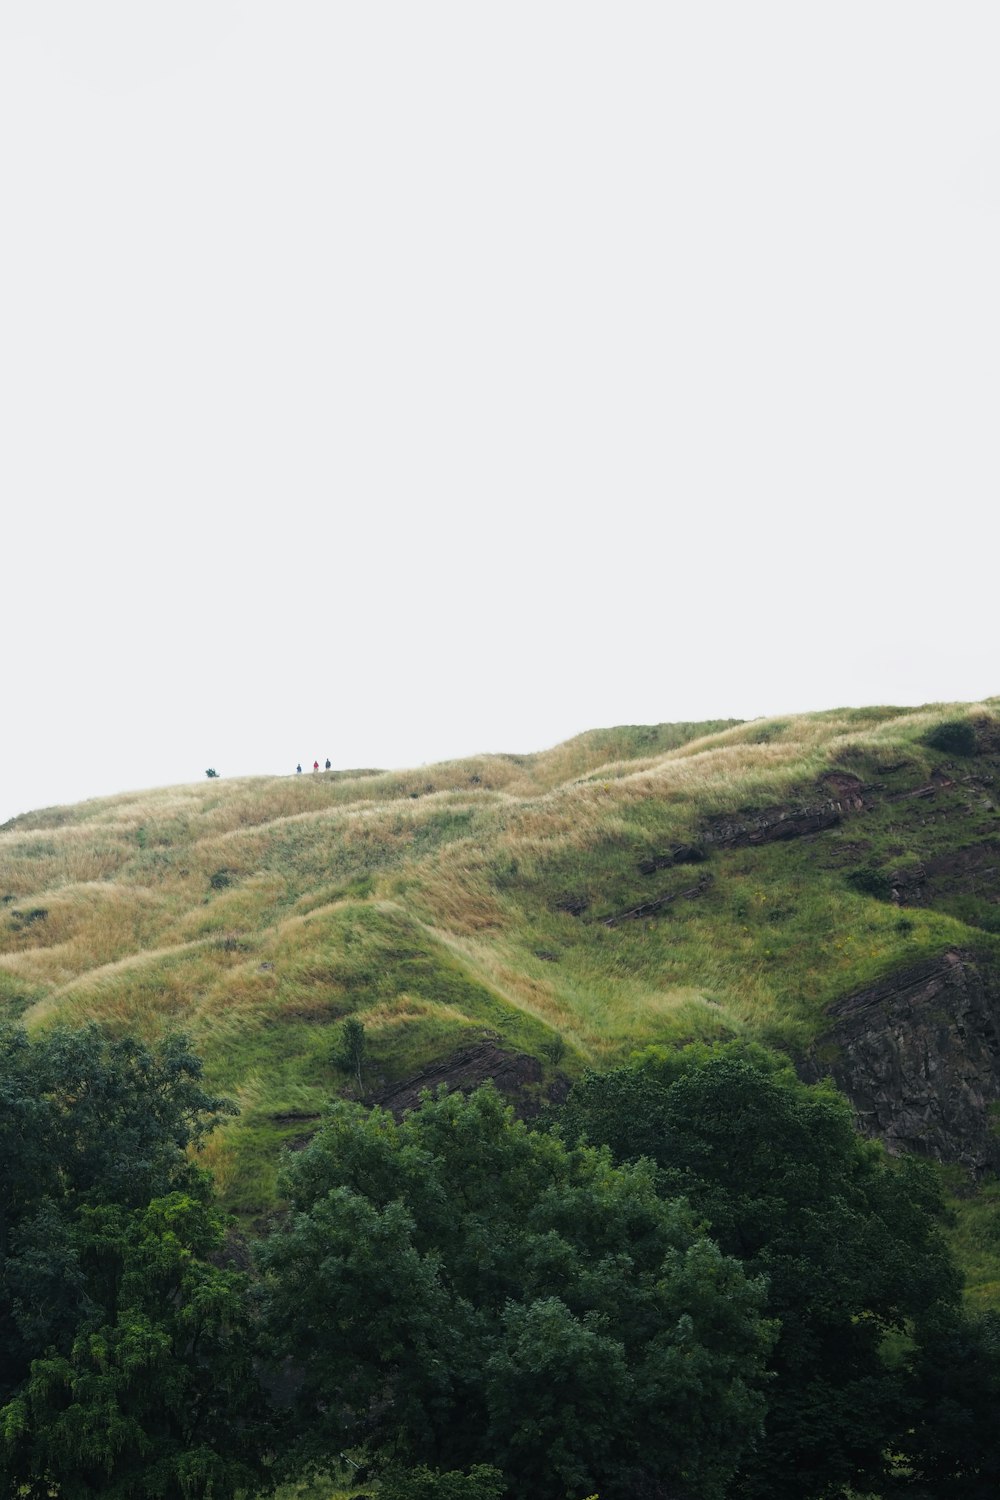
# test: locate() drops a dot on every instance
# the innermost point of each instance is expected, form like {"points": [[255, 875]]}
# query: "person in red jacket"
{"points": [[315, 765]]}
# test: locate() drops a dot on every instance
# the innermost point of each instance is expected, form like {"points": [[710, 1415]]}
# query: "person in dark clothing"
{"points": [[328, 763], [298, 770]]}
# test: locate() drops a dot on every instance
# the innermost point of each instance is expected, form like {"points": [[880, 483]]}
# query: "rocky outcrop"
{"points": [[680, 854], [572, 902], [512, 1072], [918, 1055], [844, 794], [972, 870], [654, 907]]}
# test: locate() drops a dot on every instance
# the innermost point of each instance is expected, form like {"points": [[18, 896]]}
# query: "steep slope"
{"points": [[826, 883]]}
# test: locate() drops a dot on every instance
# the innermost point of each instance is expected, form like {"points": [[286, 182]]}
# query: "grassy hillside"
{"points": [[638, 884]]}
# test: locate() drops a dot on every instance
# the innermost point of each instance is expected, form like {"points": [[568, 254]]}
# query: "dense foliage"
{"points": [[849, 1243], [952, 1447], [701, 1284], [124, 1356], [456, 1289]]}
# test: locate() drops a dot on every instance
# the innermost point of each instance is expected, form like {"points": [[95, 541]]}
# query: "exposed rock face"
{"points": [[973, 868], [465, 1070], [844, 794], [680, 854], [918, 1055], [652, 908]]}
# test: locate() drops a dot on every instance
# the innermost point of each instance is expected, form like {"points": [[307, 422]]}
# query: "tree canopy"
{"points": [[124, 1354], [456, 1289], [848, 1241], [702, 1283]]}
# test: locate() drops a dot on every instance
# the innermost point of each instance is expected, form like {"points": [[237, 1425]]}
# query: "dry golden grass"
{"points": [[217, 1154], [84, 926], [456, 889], [405, 1009], [142, 993], [46, 861]]}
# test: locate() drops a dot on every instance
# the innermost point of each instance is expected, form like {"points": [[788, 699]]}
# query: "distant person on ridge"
{"points": [[298, 770], [315, 765], [328, 763]]}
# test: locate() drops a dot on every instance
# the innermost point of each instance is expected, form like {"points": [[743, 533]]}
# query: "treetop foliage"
{"points": [[701, 1284], [125, 1351], [849, 1241], [496, 1292], [91, 1116]]}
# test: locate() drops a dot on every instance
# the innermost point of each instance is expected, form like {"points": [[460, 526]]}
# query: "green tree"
{"points": [[155, 1395], [849, 1242], [455, 1289], [351, 1051], [951, 1447], [124, 1348]]}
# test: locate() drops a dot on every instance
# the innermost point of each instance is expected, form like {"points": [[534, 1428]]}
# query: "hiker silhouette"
{"points": [[298, 770], [328, 763]]}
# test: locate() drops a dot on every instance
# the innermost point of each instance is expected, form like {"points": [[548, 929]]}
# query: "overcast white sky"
{"points": [[393, 381]]}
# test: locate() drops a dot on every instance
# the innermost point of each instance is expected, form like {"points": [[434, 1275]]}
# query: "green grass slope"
{"points": [[623, 888]]}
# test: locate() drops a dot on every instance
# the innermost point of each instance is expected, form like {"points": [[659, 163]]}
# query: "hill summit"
{"points": [[826, 883]]}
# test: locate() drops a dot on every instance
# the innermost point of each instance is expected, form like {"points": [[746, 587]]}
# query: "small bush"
{"points": [[211, 772], [869, 880], [953, 737], [27, 918], [351, 1050], [555, 1049], [482, 1482]]}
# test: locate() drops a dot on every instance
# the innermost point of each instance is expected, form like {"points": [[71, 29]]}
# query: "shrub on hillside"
{"points": [[483, 1482], [351, 1050], [869, 880], [953, 737]]}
